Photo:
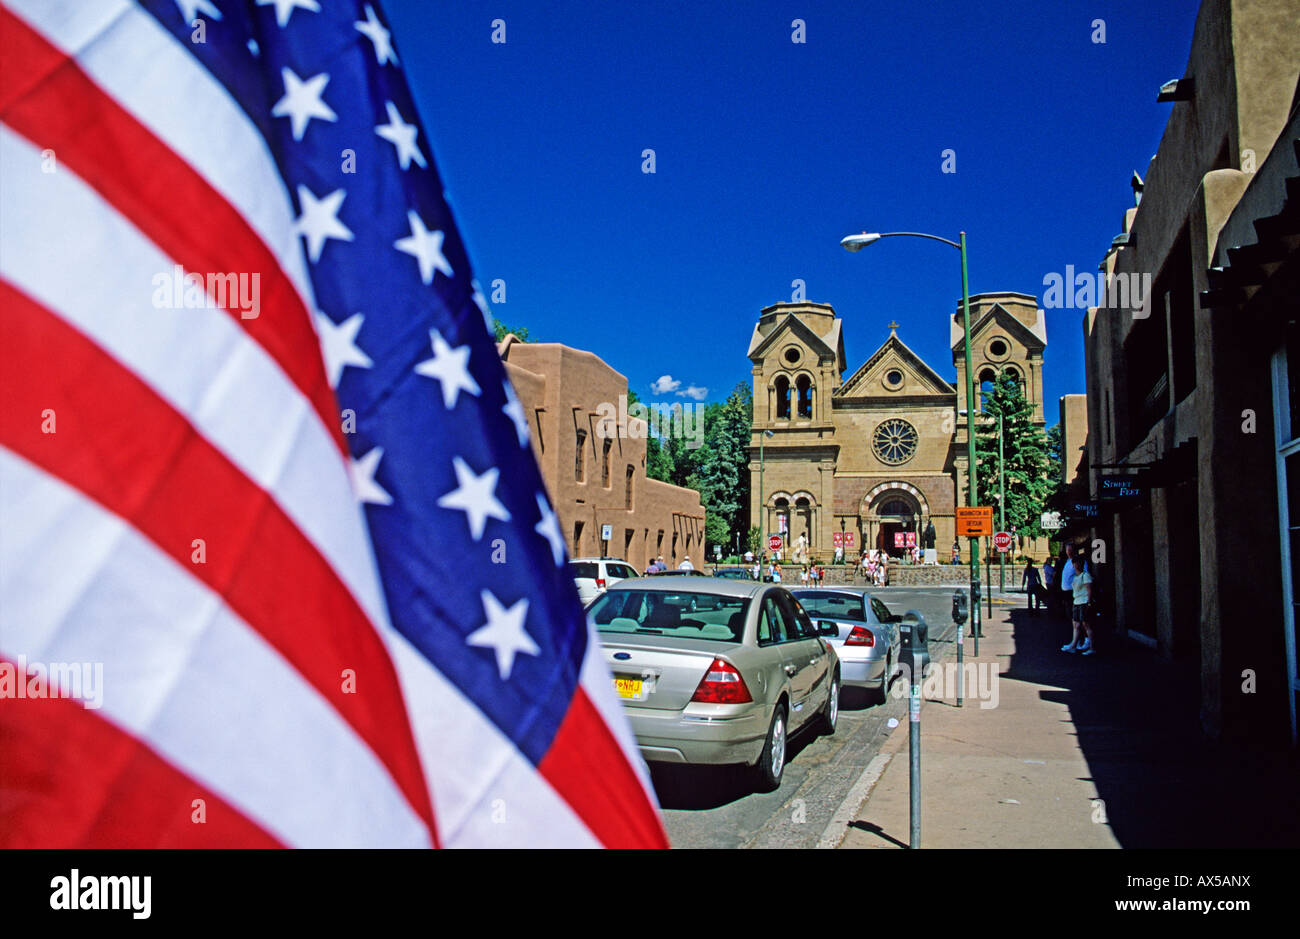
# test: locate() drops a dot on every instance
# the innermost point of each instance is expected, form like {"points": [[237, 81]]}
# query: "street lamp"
{"points": [[762, 505], [857, 243]]}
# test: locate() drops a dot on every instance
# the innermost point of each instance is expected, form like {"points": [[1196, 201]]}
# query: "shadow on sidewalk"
{"points": [[1163, 782]]}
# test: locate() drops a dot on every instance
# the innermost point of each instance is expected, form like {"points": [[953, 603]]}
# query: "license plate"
{"points": [[629, 688]]}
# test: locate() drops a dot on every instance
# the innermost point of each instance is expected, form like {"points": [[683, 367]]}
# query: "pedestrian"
{"points": [[1033, 585], [757, 570], [956, 553], [686, 564], [659, 565], [803, 575], [1081, 594], [774, 573]]}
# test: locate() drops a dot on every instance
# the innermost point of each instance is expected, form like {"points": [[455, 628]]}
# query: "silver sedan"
{"points": [[866, 637], [717, 671]]}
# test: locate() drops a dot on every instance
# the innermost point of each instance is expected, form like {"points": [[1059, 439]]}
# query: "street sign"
{"points": [[717, 550], [1002, 541], [774, 543], [1051, 521], [975, 522], [1125, 487], [606, 532], [1082, 510]]}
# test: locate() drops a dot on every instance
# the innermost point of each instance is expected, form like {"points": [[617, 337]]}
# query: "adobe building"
{"points": [[883, 451], [1195, 393], [596, 478]]}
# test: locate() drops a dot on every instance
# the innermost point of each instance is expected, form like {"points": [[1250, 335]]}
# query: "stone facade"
{"points": [[594, 477], [1196, 390], [883, 451]]}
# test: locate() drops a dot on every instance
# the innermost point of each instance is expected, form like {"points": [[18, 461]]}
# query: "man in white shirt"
{"points": [[1081, 594], [686, 565]]}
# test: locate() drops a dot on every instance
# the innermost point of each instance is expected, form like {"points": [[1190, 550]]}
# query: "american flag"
{"points": [[294, 516]]}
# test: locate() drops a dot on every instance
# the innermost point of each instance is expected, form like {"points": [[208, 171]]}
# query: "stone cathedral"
{"points": [[882, 451]]}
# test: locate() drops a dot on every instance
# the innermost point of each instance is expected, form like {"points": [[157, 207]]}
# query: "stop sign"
{"points": [[774, 543], [1002, 541]]}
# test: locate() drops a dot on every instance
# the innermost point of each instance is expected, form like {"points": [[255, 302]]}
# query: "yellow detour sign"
{"points": [[975, 522]]}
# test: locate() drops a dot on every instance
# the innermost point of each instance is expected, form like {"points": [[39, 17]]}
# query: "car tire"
{"points": [[830, 715], [882, 695], [770, 768]]}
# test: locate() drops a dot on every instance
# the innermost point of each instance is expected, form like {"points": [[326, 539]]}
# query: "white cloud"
{"points": [[693, 391], [664, 384]]}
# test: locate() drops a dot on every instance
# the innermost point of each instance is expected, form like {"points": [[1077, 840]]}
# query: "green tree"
{"points": [[1026, 459], [502, 330], [721, 470]]}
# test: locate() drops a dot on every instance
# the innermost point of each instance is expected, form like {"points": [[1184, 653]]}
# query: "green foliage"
{"points": [[502, 330], [754, 541], [1027, 458]]}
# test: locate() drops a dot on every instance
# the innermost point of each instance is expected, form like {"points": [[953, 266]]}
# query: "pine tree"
{"points": [[1026, 457], [721, 471]]}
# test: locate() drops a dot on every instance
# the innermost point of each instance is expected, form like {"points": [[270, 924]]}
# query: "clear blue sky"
{"points": [[768, 152]]}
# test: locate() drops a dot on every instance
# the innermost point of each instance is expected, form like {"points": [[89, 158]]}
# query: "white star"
{"points": [[302, 101], [425, 246], [515, 411], [284, 8], [549, 528], [338, 342], [476, 497], [190, 9], [402, 136], [374, 30], [363, 479], [253, 47], [503, 632], [320, 220], [451, 368]]}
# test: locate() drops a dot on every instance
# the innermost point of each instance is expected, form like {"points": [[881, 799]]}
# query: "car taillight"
{"points": [[600, 583], [722, 684], [861, 636]]}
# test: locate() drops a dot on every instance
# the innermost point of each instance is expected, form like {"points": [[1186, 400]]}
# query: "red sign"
{"points": [[1002, 541], [848, 539], [837, 539], [904, 539], [774, 543]]}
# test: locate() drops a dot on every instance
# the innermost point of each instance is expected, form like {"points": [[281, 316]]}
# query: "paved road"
{"points": [[706, 807]]}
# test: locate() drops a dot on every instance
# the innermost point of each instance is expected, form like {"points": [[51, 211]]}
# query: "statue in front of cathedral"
{"points": [[801, 549]]}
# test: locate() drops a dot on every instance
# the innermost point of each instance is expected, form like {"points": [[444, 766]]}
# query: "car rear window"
{"points": [[620, 570], [584, 569], [832, 605], [699, 616]]}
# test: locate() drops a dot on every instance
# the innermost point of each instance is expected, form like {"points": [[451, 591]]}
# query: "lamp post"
{"points": [[762, 506], [857, 243]]}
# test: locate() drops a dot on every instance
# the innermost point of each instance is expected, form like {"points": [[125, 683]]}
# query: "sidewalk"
{"points": [[1079, 752]]}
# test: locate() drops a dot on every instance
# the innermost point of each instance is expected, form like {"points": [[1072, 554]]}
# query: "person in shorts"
{"points": [[1081, 594]]}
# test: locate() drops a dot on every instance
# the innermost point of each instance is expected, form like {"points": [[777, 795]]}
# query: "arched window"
{"points": [[783, 398], [895, 507], [804, 386], [627, 495], [783, 516], [580, 458], [803, 512]]}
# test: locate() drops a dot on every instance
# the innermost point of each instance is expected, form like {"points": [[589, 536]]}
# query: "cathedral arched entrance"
{"points": [[891, 509]]}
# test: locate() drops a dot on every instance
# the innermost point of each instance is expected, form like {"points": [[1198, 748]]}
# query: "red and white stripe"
{"points": [[223, 681]]}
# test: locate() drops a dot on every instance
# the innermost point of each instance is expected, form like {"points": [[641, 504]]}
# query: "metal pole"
{"points": [[988, 579], [960, 628], [762, 509], [914, 748], [1002, 509], [971, 497]]}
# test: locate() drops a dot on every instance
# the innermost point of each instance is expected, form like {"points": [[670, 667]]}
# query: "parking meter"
{"points": [[959, 609], [914, 644]]}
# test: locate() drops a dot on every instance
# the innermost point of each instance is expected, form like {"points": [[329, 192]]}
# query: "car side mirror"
{"points": [[827, 628]]}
